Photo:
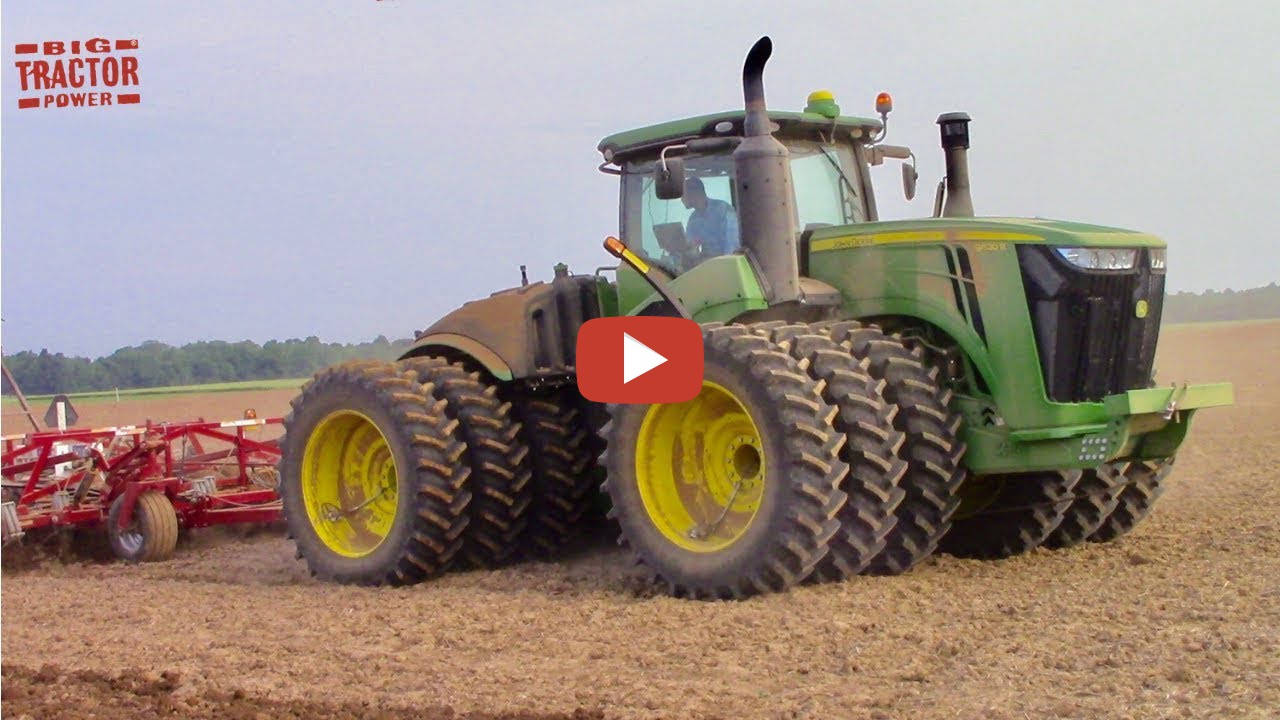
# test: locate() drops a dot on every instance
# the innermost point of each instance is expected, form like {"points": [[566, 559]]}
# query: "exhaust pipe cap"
{"points": [[955, 129]]}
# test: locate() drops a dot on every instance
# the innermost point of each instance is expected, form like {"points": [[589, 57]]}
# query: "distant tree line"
{"points": [[155, 364], [1213, 305]]}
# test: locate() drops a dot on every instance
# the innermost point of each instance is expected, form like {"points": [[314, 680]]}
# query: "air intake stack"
{"points": [[954, 128]]}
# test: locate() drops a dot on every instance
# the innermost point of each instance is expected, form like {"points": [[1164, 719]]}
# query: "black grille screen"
{"points": [[1090, 339]]}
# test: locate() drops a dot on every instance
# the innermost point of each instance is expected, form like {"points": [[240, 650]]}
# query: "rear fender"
{"points": [[523, 332], [453, 345]]}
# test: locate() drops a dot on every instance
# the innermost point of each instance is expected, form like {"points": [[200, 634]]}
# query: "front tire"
{"points": [[735, 492]]}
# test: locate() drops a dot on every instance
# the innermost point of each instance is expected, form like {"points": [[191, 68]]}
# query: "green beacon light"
{"points": [[822, 102]]}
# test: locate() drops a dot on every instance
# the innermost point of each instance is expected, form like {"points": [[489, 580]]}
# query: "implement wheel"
{"points": [[152, 534], [372, 481], [736, 491]]}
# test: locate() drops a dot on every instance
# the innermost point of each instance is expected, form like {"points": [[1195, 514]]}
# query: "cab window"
{"points": [[826, 184], [643, 211], [825, 177]]}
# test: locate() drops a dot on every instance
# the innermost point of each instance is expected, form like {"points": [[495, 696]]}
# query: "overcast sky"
{"points": [[352, 168]]}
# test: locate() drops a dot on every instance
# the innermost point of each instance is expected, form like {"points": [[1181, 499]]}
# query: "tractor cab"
{"points": [[679, 194], [827, 161]]}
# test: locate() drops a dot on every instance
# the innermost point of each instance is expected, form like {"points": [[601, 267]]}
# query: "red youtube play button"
{"points": [[640, 360]]}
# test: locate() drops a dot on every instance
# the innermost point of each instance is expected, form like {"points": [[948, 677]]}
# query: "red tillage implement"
{"points": [[142, 482]]}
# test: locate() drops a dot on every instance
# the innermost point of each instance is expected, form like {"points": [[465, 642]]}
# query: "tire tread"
{"points": [[932, 447]]}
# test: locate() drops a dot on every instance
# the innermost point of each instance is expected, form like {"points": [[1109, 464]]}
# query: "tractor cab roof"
{"points": [[648, 140]]}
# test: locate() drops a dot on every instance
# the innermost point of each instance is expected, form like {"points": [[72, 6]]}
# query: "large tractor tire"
{"points": [[735, 492], [1144, 484], [152, 533], [1025, 509], [932, 448], [562, 456], [595, 415], [498, 459], [1097, 495], [865, 418], [371, 474]]}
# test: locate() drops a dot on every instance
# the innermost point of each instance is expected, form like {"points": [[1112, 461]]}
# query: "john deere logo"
{"points": [[1140, 309]]}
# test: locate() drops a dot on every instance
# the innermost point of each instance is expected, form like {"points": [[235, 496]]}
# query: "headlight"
{"points": [[1157, 258], [1099, 258]]}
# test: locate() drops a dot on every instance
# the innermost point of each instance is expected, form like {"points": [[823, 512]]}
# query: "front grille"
{"points": [[1090, 339]]}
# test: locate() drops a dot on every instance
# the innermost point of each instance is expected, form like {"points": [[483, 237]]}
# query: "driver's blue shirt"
{"points": [[716, 227]]}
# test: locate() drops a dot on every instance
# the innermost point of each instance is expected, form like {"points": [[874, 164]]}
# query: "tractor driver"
{"points": [[712, 229]]}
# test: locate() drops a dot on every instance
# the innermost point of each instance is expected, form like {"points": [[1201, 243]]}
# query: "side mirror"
{"points": [[909, 178], [668, 178], [877, 153]]}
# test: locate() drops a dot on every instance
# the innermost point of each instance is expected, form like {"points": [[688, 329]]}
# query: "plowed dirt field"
{"points": [[1179, 619]]}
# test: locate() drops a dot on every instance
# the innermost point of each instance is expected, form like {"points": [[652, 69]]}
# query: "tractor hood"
{"points": [[1062, 232], [1024, 230]]}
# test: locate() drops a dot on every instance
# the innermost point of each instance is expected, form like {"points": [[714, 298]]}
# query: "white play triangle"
{"points": [[637, 359]]}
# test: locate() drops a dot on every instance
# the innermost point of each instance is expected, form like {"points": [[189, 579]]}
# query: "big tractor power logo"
{"points": [[89, 73]]}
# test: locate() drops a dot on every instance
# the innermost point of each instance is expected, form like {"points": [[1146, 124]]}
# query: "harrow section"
{"points": [[141, 482]]}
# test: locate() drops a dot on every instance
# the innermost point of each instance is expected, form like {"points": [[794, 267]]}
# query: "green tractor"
{"points": [[873, 391]]}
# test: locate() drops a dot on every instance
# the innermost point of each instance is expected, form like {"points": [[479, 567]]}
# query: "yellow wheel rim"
{"points": [[700, 466], [350, 485]]}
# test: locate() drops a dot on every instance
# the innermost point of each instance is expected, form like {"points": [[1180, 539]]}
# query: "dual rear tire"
{"points": [[371, 480], [393, 473]]}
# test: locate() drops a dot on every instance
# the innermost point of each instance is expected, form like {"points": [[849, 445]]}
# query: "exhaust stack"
{"points": [[954, 128], [766, 216]]}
